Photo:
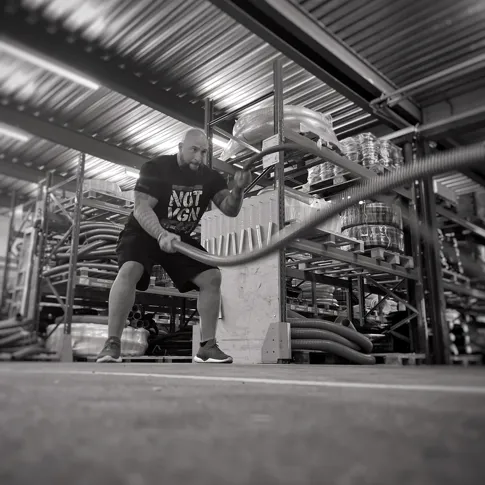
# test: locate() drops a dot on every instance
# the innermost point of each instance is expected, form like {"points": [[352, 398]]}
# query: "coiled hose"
{"points": [[310, 334], [97, 250]]}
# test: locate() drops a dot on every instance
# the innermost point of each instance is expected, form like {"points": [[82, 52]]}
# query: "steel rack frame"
{"points": [[342, 269], [78, 287], [11, 233]]}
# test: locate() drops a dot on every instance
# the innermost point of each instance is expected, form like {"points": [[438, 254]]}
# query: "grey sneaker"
{"points": [[111, 351], [210, 353]]}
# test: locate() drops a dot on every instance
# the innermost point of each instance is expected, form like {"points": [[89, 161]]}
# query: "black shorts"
{"points": [[142, 248]]}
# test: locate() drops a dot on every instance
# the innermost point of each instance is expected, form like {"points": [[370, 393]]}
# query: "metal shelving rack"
{"points": [[348, 270], [79, 286]]}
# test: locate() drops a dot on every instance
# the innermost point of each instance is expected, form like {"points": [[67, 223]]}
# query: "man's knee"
{"points": [[209, 280], [131, 272]]}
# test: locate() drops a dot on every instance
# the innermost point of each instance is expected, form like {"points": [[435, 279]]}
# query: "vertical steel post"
{"points": [[208, 116], [350, 307], [435, 297], [71, 283], [416, 288], [10, 238], [361, 296], [314, 296], [41, 245], [280, 177]]}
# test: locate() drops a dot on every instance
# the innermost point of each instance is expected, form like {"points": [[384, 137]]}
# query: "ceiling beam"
{"points": [[28, 174], [81, 142], [442, 127], [292, 31], [28, 28], [6, 201], [69, 138]]}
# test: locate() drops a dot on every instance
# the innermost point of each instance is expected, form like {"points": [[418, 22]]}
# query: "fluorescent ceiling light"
{"points": [[132, 172], [13, 133], [219, 142], [43, 62]]}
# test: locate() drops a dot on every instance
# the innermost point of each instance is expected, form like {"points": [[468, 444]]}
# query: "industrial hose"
{"points": [[310, 334], [451, 160]]}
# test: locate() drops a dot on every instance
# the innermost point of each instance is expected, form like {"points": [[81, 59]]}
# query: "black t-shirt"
{"points": [[183, 195]]}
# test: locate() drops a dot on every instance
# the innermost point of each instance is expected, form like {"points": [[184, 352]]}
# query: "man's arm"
{"points": [[146, 216], [229, 202]]}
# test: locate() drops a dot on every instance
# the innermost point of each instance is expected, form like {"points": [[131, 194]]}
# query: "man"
{"points": [[171, 195]]}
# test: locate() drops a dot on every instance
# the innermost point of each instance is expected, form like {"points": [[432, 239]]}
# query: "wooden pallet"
{"points": [[335, 180], [400, 359], [467, 360], [316, 357], [381, 254], [145, 359], [336, 240]]}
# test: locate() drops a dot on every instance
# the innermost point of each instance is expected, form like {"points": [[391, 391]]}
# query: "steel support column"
{"points": [[8, 248], [209, 115], [41, 246], [415, 289], [280, 178], [66, 355], [433, 276]]}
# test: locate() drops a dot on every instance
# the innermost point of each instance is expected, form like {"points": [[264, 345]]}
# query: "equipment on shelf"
{"points": [[444, 162], [377, 236], [258, 125], [97, 249], [375, 213], [88, 340]]}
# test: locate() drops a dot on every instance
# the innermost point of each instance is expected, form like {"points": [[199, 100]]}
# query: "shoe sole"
{"points": [[198, 360], [107, 359]]}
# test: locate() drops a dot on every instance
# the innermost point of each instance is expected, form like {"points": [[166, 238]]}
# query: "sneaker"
{"points": [[111, 351], [210, 353]]}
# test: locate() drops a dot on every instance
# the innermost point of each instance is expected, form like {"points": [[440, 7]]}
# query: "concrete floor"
{"points": [[183, 424]]}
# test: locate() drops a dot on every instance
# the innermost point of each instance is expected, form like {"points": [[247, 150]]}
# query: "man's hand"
{"points": [[165, 241], [242, 179]]}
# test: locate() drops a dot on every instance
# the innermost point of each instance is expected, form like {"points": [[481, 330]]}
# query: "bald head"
{"points": [[193, 149], [193, 133]]}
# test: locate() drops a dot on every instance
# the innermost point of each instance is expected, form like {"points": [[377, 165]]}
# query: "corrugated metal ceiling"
{"points": [[408, 40], [191, 48], [197, 51], [202, 53], [44, 155]]}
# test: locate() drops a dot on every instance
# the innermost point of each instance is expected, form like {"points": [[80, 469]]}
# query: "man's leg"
{"points": [[209, 302], [208, 305], [121, 300]]}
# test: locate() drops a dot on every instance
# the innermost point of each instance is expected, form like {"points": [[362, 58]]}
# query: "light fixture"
{"points": [[132, 172], [43, 62], [218, 142], [13, 133]]}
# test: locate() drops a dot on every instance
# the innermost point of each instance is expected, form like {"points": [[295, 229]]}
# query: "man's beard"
{"points": [[186, 167]]}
